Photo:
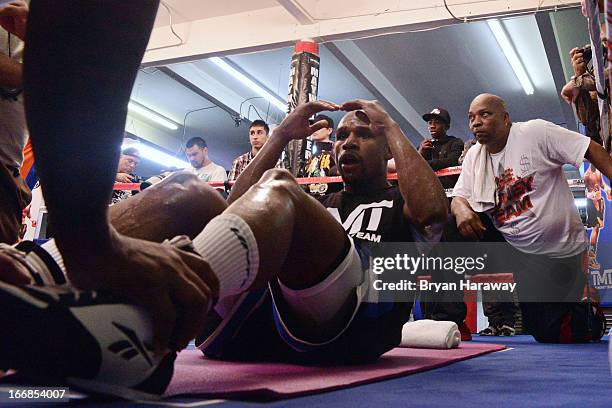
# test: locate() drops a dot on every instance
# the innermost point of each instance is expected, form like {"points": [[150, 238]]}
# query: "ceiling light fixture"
{"points": [[157, 156], [274, 100], [511, 55], [153, 116]]}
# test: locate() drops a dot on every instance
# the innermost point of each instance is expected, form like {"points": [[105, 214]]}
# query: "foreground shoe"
{"points": [[506, 330], [59, 335], [597, 320], [489, 331], [598, 324], [466, 334]]}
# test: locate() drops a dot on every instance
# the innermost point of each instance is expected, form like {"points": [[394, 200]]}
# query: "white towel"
{"points": [[483, 188], [430, 334]]}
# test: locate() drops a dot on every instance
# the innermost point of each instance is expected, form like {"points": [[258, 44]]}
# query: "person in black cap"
{"points": [[442, 150]]}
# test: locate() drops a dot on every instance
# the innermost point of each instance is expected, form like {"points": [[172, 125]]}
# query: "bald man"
{"points": [[515, 175]]}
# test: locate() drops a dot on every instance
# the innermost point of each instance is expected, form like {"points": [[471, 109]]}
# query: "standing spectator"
{"points": [[196, 150], [14, 193], [258, 136], [581, 89]]}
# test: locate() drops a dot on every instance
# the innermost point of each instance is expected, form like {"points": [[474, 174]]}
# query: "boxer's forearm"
{"points": [[600, 159], [266, 159], [426, 203]]}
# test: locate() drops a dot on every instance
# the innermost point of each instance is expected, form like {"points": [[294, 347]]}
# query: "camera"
{"points": [[587, 53], [136, 179]]}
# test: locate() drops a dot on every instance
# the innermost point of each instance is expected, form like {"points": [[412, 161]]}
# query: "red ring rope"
{"points": [[450, 171]]}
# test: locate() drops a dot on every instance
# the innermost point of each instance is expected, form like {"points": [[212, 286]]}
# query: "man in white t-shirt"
{"points": [[196, 150], [515, 175]]}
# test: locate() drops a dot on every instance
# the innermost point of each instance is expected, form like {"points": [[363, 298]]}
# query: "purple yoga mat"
{"points": [[195, 374]]}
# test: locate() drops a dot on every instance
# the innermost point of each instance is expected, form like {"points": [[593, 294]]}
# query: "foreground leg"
{"points": [[80, 61]]}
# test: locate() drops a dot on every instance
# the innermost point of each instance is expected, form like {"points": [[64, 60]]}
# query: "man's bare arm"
{"points": [[600, 159], [425, 200], [468, 222]]}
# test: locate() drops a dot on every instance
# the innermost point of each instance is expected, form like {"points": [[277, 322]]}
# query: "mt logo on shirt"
{"points": [[364, 215]]}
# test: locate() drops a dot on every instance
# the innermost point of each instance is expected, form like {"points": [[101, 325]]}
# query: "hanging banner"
{"points": [[599, 230], [608, 145]]}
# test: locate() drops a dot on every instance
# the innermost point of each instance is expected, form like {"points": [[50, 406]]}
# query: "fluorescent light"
{"points": [[274, 100], [580, 202], [157, 156], [151, 115], [511, 55]]}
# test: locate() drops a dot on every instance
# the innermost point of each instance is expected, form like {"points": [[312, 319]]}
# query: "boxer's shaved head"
{"points": [[489, 121]]}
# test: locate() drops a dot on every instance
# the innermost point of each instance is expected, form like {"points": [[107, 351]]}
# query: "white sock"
{"points": [[226, 243], [52, 250], [229, 246]]}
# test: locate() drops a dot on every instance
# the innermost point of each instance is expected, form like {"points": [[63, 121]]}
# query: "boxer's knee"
{"points": [[278, 175], [181, 204], [280, 182], [185, 191]]}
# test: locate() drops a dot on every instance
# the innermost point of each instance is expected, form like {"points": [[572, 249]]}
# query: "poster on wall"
{"points": [[598, 197]]}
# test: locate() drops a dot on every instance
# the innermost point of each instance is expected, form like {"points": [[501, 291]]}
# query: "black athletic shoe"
{"points": [[57, 334], [597, 321], [489, 331], [506, 330]]}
